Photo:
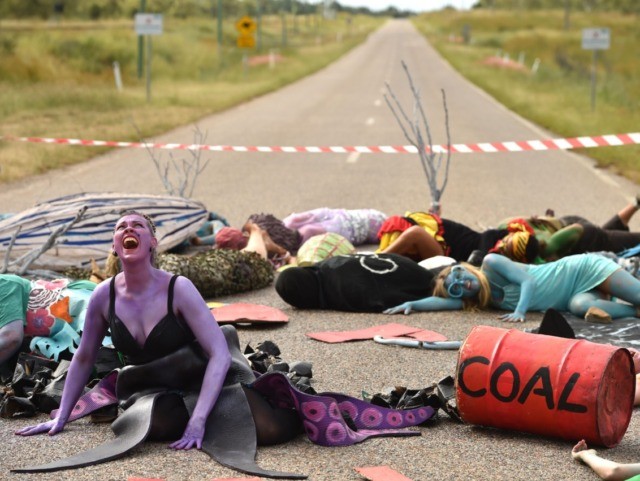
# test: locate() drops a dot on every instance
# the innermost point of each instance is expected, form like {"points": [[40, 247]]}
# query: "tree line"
{"points": [[624, 6], [99, 9]]}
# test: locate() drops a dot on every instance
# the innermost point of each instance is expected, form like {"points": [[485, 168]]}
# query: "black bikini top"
{"points": [[167, 336]]}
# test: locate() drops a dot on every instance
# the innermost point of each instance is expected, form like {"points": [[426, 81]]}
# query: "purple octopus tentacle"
{"points": [[101, 395], [323, 419]]}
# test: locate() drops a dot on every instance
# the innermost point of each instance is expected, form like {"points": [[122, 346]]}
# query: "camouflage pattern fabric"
{"points": [[220, 272], [215, 272]]}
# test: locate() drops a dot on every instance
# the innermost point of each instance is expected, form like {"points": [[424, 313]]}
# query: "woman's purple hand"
{"points": [[50, 427], [192, 438]]}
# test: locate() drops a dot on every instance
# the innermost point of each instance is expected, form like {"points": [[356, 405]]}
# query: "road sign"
{"points": [[148, 23], [246, 41], [246, 25], [596, 38]]}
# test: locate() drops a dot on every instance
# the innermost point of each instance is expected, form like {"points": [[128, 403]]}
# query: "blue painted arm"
{"points": [[495, 264], [432, 303]]}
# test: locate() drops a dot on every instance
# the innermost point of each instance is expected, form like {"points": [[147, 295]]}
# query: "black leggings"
{"points": [[273, 425]]}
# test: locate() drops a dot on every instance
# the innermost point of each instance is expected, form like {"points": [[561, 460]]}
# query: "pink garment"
{"points": [[358, 226]]}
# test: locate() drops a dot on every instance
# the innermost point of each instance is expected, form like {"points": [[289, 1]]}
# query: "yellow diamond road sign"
{"points": [[246, 25]]}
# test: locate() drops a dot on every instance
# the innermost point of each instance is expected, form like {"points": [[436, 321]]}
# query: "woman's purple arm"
{"points": [[193, 309]]}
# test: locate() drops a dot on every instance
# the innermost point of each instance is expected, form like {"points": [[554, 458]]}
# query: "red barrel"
{"points": [[566, 388]]}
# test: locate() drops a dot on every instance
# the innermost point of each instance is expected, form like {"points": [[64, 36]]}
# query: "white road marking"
{"points": [[353, 157]]}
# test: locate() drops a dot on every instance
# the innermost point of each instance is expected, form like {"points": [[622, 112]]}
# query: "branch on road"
{"points": [[184, 172], [413, 129], [23, 263]]}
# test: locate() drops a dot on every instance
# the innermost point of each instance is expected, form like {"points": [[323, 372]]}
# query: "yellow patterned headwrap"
{"points": [[513, 246]]}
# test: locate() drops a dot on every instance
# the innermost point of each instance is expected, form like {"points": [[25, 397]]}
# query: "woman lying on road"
{"points": [[419, 236], [574, 283], [569, 235]]}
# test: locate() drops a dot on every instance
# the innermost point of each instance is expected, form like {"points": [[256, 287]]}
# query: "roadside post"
{"points": [[148, 24], [143, 7], [595, 39], [245, 26]]}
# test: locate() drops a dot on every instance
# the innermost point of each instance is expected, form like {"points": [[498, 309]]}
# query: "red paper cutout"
{"points": [[381, 473], [385, 330], [427, 335], [240, 312]]}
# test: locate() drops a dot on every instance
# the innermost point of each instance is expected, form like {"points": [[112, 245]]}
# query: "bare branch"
{"points": [[5, 266], [430, 161], [185, 172]]}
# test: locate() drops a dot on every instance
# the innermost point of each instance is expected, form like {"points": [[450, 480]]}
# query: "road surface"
{"points": [[343, 105]]}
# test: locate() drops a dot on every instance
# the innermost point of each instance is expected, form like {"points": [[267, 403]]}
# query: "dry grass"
{"points": [[57, 80], [558, 96]]}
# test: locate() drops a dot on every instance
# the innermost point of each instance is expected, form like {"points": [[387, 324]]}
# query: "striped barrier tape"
{"points": [[483, 147]]}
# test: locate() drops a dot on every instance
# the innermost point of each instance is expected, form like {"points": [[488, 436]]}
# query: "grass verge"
{"points": [[57, 80], [556, 96]]}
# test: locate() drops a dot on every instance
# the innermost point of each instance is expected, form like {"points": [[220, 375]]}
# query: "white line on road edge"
{"points": [[353, 157]]}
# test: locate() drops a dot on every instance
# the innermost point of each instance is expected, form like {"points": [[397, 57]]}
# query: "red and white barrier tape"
{"points": [[484, 147]]}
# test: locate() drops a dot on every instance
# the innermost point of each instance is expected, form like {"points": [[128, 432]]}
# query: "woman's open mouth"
{"points": [[130, 242]]}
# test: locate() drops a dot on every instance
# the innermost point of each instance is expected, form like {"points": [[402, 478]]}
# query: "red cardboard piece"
{"points": [[245, 313], [427, 336], [385, 330], [381, 473]]}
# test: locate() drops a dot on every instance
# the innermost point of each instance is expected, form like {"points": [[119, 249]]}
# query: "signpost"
{"points": [[595, 39], [148, 24], [245, 26]]}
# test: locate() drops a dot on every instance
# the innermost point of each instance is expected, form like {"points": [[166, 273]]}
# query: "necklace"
{"points": [[363, 263]]}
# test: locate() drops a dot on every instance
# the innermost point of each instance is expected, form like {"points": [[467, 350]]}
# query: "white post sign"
{"points": [[148, 23], [596, 38]]}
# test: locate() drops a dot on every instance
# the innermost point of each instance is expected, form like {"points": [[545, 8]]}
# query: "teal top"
{"points": [[14, 298], [557, 282], [634, 478]]}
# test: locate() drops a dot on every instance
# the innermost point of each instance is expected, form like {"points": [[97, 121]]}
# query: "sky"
{"points": [[415, 5]]}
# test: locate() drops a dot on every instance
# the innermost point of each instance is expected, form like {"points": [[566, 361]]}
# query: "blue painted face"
{"points": [[461, 283]]}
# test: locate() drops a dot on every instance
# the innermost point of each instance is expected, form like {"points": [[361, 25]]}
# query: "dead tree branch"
{"points": [[185, 172], [5, 266], [413, 129], [29, 258]]}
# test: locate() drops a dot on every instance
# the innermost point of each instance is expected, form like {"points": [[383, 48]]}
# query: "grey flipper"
{"points": [[131, 429], [230, 436]]}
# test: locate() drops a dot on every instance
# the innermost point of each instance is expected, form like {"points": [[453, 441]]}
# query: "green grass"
{"points": [[558, 95], [56, 80]]}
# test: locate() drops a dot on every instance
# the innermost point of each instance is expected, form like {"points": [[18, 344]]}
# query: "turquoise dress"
{"points": [[557, 282]]}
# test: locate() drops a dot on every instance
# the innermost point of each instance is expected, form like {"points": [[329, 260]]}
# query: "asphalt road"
{"points": [[343, 105]]}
